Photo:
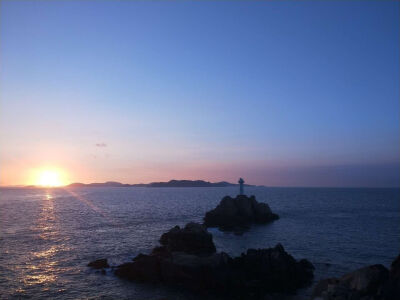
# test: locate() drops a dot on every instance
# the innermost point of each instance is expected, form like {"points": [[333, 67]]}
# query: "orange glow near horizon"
{"points": [[49, 178]]}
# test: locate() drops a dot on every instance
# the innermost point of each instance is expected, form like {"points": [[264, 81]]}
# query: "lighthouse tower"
{"points": [[241, 181]]}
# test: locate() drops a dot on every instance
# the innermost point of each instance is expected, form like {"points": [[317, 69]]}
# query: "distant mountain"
{"points": [[190, 183], [171, 183], [101, 184]]}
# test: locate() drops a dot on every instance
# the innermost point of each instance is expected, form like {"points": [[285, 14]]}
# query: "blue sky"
{"points": [[281, 93]]}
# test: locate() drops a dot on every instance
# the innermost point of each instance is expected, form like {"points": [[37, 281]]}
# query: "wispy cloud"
{"points": [[101, 145]]}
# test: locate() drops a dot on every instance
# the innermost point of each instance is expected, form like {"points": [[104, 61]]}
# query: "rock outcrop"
{"points": [[239, 212], [374, 282], [250, 275]]}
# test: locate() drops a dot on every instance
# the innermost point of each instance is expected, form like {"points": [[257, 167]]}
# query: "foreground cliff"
{"points": [[188, 258]]}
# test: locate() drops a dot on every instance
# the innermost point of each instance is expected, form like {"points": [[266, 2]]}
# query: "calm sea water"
{"points": [[47, 236]]}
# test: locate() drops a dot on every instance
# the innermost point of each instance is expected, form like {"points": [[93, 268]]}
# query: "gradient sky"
{"points": [[280, 93]]}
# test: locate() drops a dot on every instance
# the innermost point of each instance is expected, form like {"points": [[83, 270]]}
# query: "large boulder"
{"points": [[192, 239], [239, 212]]}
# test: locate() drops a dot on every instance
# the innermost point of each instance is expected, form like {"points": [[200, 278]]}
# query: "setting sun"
{"points": [[49, 178]]}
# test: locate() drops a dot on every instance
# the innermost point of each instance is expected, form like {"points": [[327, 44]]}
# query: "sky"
{"points": [[281, 93]]}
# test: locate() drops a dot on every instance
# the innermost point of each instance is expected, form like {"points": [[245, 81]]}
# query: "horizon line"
{"points": [[251, 185]]}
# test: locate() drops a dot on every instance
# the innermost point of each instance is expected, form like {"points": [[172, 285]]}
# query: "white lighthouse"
{"points": [[241, 181]]}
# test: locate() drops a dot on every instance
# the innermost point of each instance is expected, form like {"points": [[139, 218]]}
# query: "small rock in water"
{"points": [[99, 264]]}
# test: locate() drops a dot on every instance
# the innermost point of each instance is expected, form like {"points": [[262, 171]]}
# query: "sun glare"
{"points": [[49, 178]]}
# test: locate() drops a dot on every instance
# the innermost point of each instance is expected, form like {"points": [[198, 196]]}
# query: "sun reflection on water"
{"points": [[41, 268], [43, 278], [46, 253]]}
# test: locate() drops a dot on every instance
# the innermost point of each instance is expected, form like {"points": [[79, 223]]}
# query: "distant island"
{"points": [[171, 183]]}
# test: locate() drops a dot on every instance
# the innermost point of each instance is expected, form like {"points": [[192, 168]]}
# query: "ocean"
{"points": [[48, 236]]}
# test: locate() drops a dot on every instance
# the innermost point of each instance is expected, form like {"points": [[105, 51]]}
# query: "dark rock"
{"points": [[322, 286], [391, 289], [145, 268], [271, 269], [192, 239], [253, 273], [365, 283], [241, 211], [198, 273], [161, 252], [99, 264]]}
